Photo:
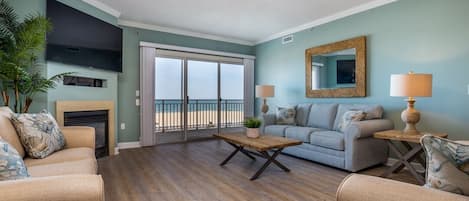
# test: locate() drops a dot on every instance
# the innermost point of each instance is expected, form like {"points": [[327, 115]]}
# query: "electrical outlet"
{"points": [[122, 126]]}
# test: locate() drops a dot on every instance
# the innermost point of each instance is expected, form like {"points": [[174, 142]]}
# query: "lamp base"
{"points": [[264, 107], [411, 117]]}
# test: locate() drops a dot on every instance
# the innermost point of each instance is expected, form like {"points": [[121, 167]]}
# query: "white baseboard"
{"points": [[417, 166], [127, 145]]}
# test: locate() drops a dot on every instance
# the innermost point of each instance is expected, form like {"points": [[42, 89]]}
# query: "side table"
{"points": [[410, 154]]}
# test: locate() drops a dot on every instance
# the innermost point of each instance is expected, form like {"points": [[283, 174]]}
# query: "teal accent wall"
{"points": [[127, 81], [429, 36]]}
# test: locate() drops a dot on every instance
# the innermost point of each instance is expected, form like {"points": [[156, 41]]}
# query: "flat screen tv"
{"points": [[346, 71], [80, 39]]}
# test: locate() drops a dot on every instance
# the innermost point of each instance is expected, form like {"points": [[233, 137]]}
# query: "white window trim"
{"points": [[195, 50], [148, 51]]}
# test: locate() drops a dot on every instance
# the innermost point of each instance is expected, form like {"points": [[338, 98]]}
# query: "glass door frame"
{"points": [[185, 95]]}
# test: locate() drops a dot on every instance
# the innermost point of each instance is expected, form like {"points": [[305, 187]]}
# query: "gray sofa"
{"points": [[317, 125]]}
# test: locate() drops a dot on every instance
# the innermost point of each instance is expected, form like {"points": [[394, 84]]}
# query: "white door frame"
{"points": [[147, 88]]}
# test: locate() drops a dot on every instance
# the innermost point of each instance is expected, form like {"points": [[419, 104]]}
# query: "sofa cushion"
{"points": [[87, 166], [8, 130], [372, 112], [300, 133], [286, 115], [328, 139], [323, 150], [11, 163], [302, 113], [39, 133], [277, 130], [72, 154], [322, 116], [447, 165]]}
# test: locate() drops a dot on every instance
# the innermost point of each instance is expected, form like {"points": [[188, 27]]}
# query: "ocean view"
{"points": [[201, 114]]}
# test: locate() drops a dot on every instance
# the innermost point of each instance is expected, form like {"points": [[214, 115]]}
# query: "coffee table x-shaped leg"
{"points": [[264, 154]]}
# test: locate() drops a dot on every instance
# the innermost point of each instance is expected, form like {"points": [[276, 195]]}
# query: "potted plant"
{"points": [[252, 127], [20, 45]]}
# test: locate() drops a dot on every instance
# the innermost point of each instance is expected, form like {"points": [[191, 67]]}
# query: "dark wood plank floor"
{"points": [[191, 171]]}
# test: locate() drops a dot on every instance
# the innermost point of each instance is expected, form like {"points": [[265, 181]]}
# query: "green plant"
{"points": [[20, 43], [252, 123]]}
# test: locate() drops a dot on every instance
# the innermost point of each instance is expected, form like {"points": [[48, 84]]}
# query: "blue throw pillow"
{"points": [[11, 164], [286, 116], [39, 133], [447, 164]]}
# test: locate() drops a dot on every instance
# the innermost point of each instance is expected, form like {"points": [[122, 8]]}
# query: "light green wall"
{"points": [[429, 36], [24, 8], [128, 80]]}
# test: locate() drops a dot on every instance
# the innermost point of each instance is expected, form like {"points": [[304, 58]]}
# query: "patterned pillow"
{"points": [[11, 164], [349, 117], [447, 164], [286, 116], [39, 133]]}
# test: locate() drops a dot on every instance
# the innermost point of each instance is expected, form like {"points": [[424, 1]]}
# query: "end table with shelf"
{"points": [[410, 154]]}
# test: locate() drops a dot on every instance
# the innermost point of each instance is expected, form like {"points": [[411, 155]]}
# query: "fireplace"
{"points": [[97, 119], [95, 113]]}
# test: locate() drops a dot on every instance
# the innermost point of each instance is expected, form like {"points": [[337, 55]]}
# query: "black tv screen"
{"points": [[80, 39], [346, 71]]}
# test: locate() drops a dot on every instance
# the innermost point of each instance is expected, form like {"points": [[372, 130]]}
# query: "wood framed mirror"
{"points": [[337, 69]]}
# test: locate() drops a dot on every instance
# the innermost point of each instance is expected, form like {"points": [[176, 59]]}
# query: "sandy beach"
{"points": [[199, 119]]}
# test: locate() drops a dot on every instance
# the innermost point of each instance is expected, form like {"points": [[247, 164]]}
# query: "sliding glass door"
{"points": [[169, 95], [197, 97], [202, 95], [231, 95]]}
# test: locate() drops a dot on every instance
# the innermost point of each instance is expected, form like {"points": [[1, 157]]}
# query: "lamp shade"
{"points": [[263, 91], [411, 85]]}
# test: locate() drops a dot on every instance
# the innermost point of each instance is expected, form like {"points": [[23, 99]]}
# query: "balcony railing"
{"points": [[201, 114]]}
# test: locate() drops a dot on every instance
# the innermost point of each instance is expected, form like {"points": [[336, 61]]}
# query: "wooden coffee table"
{"points": [[261, 145]]}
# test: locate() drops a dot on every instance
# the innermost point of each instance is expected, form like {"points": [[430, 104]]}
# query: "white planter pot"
{"points": [[252, 132]]}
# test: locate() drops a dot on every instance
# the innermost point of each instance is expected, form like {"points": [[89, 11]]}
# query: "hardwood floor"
{"points": [[191, 171]]}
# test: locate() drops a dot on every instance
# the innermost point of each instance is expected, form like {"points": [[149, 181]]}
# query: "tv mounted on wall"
{"points": [[80, 39], [346, 71]]}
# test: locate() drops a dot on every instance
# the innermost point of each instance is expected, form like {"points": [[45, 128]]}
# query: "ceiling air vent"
{"points": [[287, 39]]}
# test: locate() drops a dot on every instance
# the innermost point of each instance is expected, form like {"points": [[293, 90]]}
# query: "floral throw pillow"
{"points": [[447, 164], [286, 116], [39, 133], [349, 117], [11, 164]]}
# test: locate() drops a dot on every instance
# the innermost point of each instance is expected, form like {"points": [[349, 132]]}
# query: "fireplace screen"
{"points": [[96, 119]]}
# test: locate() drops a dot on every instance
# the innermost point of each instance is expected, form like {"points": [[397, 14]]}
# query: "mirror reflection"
{"points": [[333, 70]]}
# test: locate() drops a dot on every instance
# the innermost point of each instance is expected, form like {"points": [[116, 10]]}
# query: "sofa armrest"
{"points": [[268, 119], [55, 188], [363, 129], [357, 187], [79, 136]]}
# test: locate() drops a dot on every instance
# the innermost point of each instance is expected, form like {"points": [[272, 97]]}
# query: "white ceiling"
{"points": [[239, 21]]}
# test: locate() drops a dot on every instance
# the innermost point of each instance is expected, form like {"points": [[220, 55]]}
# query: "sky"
{"points": [[202, 79]]}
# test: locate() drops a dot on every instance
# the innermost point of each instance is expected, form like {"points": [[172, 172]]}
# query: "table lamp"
{"points": [[265, 91], [411, 85]]}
